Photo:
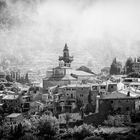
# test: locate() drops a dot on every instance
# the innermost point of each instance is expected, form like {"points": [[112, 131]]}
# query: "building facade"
{"points": [[64, 74]]}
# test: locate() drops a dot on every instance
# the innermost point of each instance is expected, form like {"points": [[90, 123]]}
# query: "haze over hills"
{"points": [[35, 31]]}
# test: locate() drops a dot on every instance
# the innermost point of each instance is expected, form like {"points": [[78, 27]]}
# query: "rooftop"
{"points": [[10, 97], [135, 83], [2, 94], [76, 85], [81, 73], [68, 77], [14, 115], [122, 94]]}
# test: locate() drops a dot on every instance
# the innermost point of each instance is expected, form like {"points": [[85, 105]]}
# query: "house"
{"points": [[25, 102], [26, 106], [69, 95], [25, 98], [119, 102], [15, 74], [136, 65], [15, 117], [127, 81], [108, 87], [11, 101]]}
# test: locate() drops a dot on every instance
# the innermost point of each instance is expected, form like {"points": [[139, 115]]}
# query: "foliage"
{"points": [[79, 132], [44, 125], [94, 138], [11, 130], [2, 86], [17, 130], [128, 65], [115, 67], [48, 126], [117, 120], [79, 103], [8, 78], [90, 108], [90, 97], [26, 78], [29, 136]]}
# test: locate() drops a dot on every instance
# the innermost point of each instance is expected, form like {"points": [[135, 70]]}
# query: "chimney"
{"points": [[97, 104]]}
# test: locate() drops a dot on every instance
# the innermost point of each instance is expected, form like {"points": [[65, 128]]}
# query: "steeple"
{"points": [[66, 58], [66, 51], [66, 47]]}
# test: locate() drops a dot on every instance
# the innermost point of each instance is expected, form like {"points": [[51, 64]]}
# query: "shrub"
{"points": [[94, 138]]}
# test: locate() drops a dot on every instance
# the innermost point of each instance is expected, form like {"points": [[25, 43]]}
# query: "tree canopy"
{"points": [[128, 65], [116, 67]]}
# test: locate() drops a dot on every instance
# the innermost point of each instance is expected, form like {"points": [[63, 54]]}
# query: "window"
{"points": [[111, 102], [102, 87], [94, 87], [111, 86], [119, 109], [81, 95], [127, 109], [71, 95]]}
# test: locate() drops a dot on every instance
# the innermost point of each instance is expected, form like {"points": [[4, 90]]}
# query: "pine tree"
{"points": [[26, 78], [113, 68]]}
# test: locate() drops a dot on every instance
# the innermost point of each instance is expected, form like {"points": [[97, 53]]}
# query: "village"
{"points": [[70, 100]]}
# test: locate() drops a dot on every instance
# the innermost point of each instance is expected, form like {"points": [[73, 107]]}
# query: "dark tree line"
{"points": [[116, 67]]}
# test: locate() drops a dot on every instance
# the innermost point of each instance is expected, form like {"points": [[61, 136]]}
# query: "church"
{"points": [[64, 74]]}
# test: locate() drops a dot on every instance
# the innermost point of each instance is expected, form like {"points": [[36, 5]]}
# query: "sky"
{"points": [[96, 31]]}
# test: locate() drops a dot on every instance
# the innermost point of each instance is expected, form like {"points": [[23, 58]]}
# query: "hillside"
{"points": [[35, 31]]}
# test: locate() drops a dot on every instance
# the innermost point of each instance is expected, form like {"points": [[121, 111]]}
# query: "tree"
{"points": [[2, 86], [17, 131], [48, 127], [90, 97], [94, 138], [67, 119], [26, 78], [116, 67], [8, 78], [79, 104], [89, 107], [46, 130], [29, 137], [128, 65]]}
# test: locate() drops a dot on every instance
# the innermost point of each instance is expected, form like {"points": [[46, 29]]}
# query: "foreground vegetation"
{"points": [[47, 127]]}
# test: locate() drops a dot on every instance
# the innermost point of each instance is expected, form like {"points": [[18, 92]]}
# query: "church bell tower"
{"points": [[66, 58]]}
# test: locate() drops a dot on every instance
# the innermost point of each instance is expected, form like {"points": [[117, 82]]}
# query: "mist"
{"points": [[96, 31]]}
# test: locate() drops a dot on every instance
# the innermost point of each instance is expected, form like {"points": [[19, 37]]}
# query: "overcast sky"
{"points": [[96, 30]]}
